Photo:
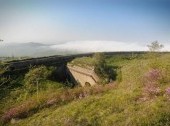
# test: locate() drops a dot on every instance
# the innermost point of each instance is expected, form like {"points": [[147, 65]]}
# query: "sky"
{"points": [[55, 21]]}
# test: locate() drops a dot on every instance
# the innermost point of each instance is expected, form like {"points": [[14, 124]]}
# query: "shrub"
{"points": [[105, 72], [36, 75], [100, 64]]}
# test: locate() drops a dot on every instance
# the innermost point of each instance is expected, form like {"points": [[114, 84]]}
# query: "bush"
{"points": [[36, 75], [105, 72]]}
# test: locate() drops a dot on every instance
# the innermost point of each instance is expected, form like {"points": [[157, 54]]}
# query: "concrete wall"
{"points": [[83, 76], [47, 61]]}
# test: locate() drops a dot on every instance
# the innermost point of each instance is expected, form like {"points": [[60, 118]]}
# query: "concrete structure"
{"points": [[83, 76]]}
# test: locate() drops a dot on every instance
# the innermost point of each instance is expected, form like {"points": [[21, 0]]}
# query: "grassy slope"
{"points": [[118, 107], [108, 109], [83, 62]]}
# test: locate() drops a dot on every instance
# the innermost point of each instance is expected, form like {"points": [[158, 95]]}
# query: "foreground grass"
{"points": [[61, 97], [108, 109]]}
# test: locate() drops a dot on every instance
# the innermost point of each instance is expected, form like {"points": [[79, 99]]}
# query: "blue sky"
{"points": [[52, 21]]}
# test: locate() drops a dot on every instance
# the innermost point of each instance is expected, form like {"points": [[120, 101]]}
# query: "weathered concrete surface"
{"points": [[83, 76], [47, 61]]}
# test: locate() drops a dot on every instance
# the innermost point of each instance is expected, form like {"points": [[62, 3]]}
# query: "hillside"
{"points": [[140, 96]]}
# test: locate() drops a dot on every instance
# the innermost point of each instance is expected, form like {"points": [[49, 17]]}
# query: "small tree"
{"points": [[155, 46], [35, 76], [99, 59], [102, 69], [100, 63]]}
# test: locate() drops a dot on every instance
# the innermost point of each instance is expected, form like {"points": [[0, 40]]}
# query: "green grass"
{"points": [[112, 108], [126, 105], [83, 62]]}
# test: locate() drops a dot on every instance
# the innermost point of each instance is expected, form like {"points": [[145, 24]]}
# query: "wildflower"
{"points": [[152, 90], [168, 91], [153, 75]]}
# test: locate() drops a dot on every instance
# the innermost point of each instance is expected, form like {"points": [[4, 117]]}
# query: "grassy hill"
{"points": [[140, 97]]}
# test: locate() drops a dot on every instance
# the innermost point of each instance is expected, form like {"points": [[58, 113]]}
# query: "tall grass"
{"points": [[32, 105]]}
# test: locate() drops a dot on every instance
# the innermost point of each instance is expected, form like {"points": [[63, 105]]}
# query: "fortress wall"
{"points": [[55, 60], [83, 76], [82, 79]]}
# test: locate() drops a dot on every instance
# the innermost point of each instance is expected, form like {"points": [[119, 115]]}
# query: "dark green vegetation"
{"points": [[140, 96], [5, 59]]}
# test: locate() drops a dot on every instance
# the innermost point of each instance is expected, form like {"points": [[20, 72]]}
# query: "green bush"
{"points": [[105, 72], [36, 75]]}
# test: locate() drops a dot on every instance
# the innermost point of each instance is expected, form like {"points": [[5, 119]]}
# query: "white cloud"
{"points": [[98, 46], [70, 47]]}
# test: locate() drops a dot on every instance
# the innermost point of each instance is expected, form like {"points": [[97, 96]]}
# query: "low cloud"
{"points": [[33, 49], [99, 46]]}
